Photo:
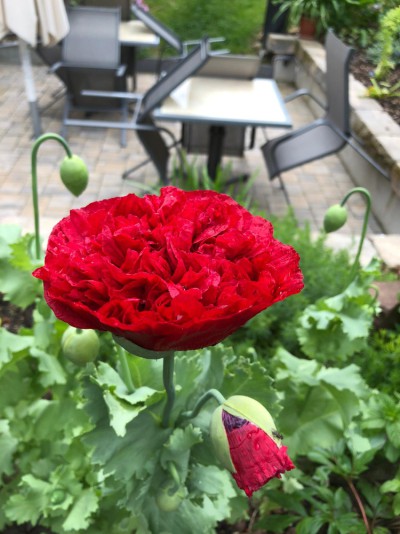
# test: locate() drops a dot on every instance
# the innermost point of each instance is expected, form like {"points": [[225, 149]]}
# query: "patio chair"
{"points": [[124, 5], [195, 137], [90, 60], [128, 56], [151, 135], [325, 135]]}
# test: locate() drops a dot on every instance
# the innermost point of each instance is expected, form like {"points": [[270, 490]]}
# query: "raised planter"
{"points": [[377, 131]]}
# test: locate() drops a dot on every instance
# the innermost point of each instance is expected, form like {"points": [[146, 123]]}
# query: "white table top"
{"points": [[226, 101], [135, 33]]}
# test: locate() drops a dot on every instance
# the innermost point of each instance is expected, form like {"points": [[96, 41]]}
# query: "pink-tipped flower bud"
{"points": [[335, 218], [247, 443]]}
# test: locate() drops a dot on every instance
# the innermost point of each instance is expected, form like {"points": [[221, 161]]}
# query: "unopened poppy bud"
{"points": [[335, 218], [74, 174], [247, 443], [170, 496], [80, 346]]}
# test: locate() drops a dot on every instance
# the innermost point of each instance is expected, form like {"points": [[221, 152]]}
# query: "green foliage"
{"points": [[82, 447], [380, 361], [383, 89], [189, 176], [16, 265], [325, 275], [319, 402], [238, 21], [388, 32], [334, 328]]}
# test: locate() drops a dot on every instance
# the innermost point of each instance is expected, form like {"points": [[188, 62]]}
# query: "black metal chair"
{"points": [[90, 60], [326, 135], [151, 135]]}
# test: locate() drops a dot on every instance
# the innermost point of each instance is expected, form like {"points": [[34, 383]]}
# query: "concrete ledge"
{"points": [[378, 133]]}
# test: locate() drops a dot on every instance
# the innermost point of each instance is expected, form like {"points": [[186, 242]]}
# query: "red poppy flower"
{"points": [[247, 443], [178, 271]]}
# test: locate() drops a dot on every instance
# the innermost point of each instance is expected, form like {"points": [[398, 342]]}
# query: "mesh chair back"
{"points": [[124, 5], [93, 37], [158, 28], [338, 56], [165, 85]]}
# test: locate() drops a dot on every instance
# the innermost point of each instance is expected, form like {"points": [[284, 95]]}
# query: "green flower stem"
{"points": [[367, 196], [168, 380], [210, 394], [174, 473], [125, 371], [35, 149]]}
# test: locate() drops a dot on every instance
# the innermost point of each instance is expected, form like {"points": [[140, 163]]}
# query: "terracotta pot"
{"points": [[308, 28]]}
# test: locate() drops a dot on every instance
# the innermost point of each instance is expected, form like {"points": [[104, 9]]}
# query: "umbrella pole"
{"points": [[30, 87]]}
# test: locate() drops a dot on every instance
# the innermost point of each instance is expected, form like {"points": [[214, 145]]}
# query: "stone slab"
{"points": [[388, 248]]}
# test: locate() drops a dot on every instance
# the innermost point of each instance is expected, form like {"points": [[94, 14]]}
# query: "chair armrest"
{"points": [[55, 67], [194, 42], [304, 92], [121, 71], [112, 94]]}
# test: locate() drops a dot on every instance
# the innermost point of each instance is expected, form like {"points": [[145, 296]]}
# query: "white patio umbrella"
{"points": [[29, 19]]}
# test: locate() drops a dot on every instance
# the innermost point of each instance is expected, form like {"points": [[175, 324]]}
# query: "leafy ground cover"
{"points": [[82, 451]]}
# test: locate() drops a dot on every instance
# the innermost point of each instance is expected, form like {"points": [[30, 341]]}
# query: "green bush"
{"points": [[240, 22]]}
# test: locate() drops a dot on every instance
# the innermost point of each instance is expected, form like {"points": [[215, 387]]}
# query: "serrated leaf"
{"points": [[8, 445], [123, 406], [20, 256], [10, 344], [78, 518], [127, 456], [243, 377], [19, 287], [346, 378], [295, 369], [211, 480], [9, 233], [337, 327], [317, 420], [27, 505], [178, 449], [50, 369]]}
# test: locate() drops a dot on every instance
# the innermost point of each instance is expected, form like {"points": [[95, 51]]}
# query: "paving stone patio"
{"points": [[312, 188]]}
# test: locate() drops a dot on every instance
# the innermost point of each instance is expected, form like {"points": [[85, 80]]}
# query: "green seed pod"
{"points": [[170, 496], [244, 408], [335, 218], [57, 497], [80, 346], [74, 174]]}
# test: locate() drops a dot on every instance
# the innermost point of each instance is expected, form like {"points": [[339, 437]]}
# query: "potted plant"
{"points": [[312, 17]]}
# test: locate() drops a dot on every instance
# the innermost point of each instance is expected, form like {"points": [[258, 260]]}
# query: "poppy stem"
{"points": [[210, 394], [125, 370], [168, 380], [35, 201], [367, 196]]}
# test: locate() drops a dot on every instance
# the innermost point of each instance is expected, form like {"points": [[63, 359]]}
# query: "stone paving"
{"points": [[312, 188]]}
